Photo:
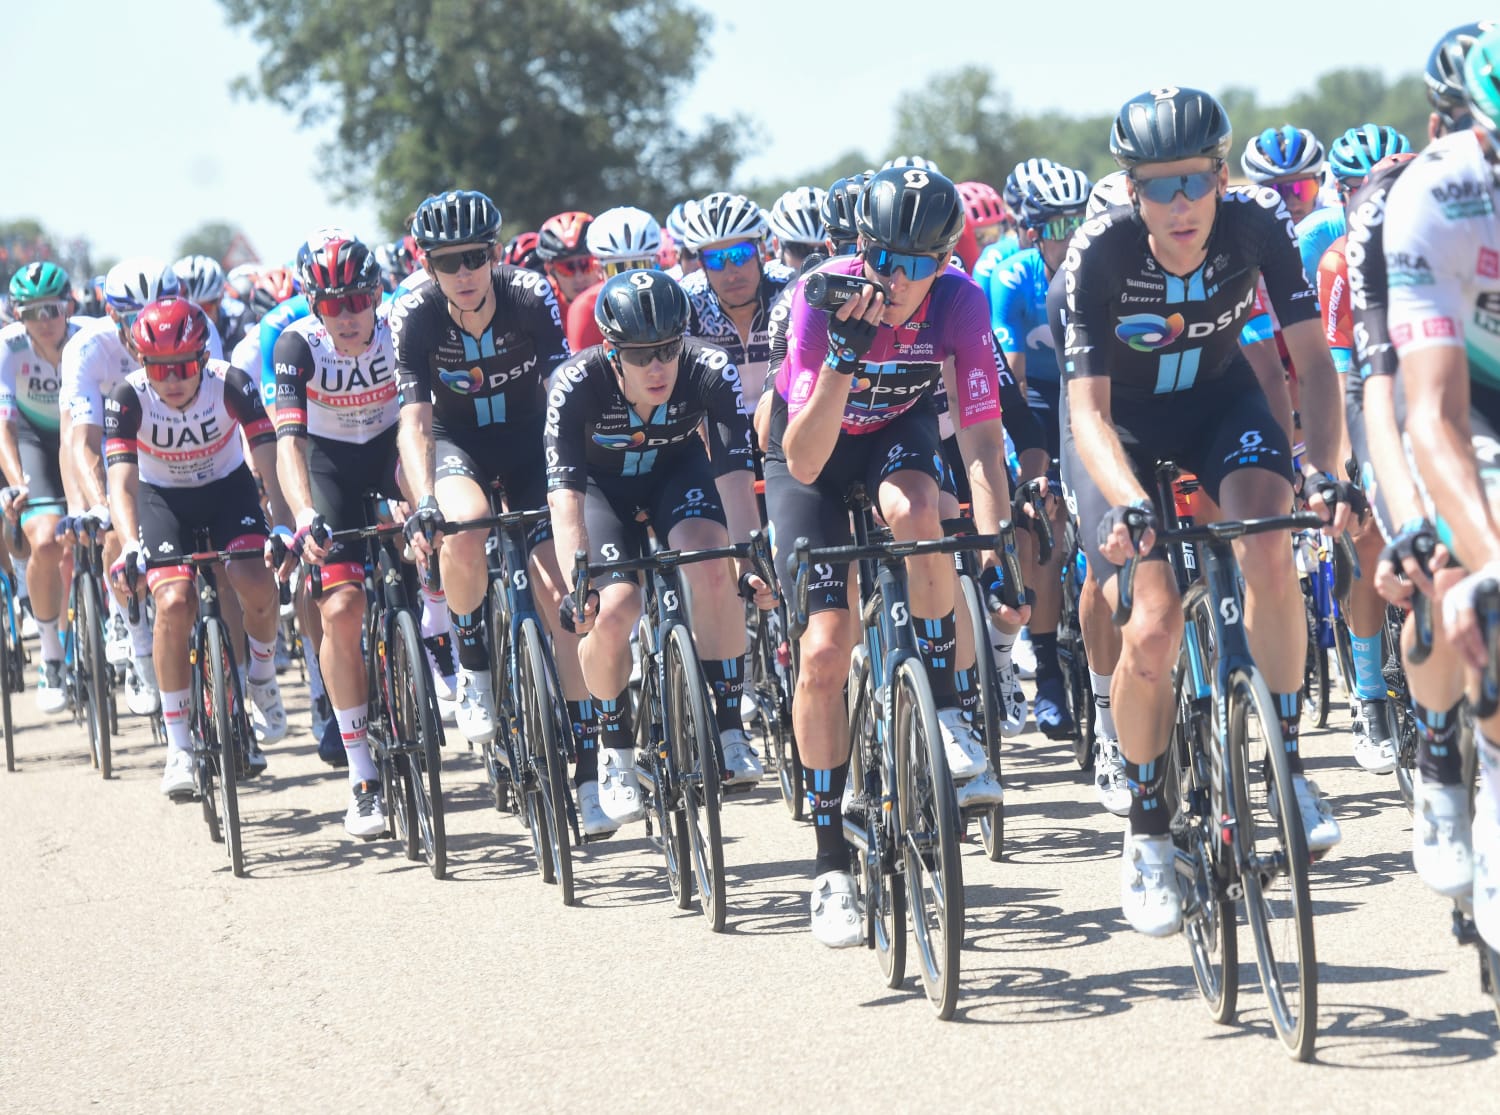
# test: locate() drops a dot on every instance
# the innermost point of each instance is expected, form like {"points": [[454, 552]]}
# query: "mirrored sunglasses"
{"points": [[716, 259], [336, 305], [174, 369], [886, 263], [1164, 189]]}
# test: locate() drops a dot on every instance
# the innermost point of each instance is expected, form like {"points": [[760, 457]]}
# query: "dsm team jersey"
{"points": [[96, 361], [322, 394], [905, 363], [708, 322], [1018, 314], [190, 447], [1155, 333], [1442, 255], [29, 385], [592, 430], [499, 376]]}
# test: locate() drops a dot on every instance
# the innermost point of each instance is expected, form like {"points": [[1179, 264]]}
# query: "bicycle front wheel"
{"points": [[1272, 850], [1315, 670], [223, 753], [881, 898], [930, 832], [695, 746], [92, 668], [414, 715], [770, 696], [992, 819], [11, 671], [544, 744]]}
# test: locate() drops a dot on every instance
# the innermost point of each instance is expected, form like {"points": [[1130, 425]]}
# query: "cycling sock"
{"points": [[967, 683], [1369, 681], [1438, 755], [1148, 812], [585, 723], [1289, 708], [1044, 643], [141, 638], [1004, 646], [435, 616], [315, 690], [52, 648], [614, 723], [1104, 717], [174, 717], [352, 729], [262, 660], [473, 655], [726, 679], [22, 594], [937, 639], [825, 795]]}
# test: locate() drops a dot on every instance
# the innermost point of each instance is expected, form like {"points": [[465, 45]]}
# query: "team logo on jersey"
{"points": [[861, 383], [621, 441], [465, 381], [1149, 332]]}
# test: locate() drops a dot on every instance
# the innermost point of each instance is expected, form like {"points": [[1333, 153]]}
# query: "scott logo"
{"points": [[899, 615], [669, 601]]}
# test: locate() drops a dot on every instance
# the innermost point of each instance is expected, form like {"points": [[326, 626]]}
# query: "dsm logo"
{"points": [[621, 441], [466, 381], [1148, 332]]}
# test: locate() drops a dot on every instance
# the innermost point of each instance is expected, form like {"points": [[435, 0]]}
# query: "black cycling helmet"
{"points": [[838, 206], [1444, 75], [641, 308], [455, 217], [906, 209], [1164, 125]]}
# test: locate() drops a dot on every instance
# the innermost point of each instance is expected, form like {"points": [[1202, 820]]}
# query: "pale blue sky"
{"points": [[159, 146]]}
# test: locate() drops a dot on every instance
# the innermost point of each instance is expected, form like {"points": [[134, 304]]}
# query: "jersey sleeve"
{"points": [[1426, 290], [976, 358], [242, 400], [806, 349], [723, 399], [411, 341], [1333, 304], [1291, 293], [1368, 294], [271, 328], [80, 387], [1083, 335], [8, 409], [563, 432], [122, 424], [1261, 326], [543, 320], [294, 369]]}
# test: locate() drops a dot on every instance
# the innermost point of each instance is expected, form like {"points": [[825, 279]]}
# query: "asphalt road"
{"points": [[140, 975]]}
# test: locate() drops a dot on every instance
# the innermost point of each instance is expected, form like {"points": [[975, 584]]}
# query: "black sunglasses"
{"points": [[472, 260]]}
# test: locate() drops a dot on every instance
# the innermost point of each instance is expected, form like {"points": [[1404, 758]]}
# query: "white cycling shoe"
{"points": [[740, 760], [178, 780], [268, 718], [835, 917], [619, 789], [141, 696], [961, 744], [1148, 886], [591, 816], [983, 789], [475, 715], [365, 817], [1110, 784], [1013, 706], [1442, 847]]}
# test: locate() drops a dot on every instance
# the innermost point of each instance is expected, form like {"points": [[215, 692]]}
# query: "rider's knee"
{"points": [[343, 612], [824, 662], [911, 510], [175, 601], [1266, 559]]}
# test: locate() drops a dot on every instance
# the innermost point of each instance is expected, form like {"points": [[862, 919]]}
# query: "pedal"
{"points": [[181, 797], [736, 789]]}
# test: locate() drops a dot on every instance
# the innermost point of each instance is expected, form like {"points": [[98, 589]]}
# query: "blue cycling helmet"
{"points": [[1284, 152], [1355, 153]]}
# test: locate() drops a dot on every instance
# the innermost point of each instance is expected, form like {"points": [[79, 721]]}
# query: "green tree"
{"points": [[210, 239], [546, 105]]}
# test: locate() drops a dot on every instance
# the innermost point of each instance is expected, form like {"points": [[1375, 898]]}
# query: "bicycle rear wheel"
{"points": [[11, 672], [1272, 848], [497, 760], [223, 758], [992, 819], [96, 670], [541, 700], [881, 898], [930, 832], [771, 709], [417, 725], [1315, 669], [695, 748]]}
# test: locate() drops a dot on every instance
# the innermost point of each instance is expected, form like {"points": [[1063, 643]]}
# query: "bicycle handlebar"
{"points": [[1030, 494], [1487, 610]]}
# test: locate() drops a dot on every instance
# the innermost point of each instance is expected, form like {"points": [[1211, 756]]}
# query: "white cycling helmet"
{"points": [[241, 280], [1019, 180], [722, 216], [138, 280], [624, 233], [796, 217], [1284, 152], [1108, 192], [914, 162], [201, 277]]}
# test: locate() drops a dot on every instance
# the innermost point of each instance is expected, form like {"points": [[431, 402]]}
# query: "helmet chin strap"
{"points": [[488, 291]]}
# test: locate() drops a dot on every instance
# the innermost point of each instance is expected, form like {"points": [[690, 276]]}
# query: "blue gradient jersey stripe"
{"points": [[1177, 371]]}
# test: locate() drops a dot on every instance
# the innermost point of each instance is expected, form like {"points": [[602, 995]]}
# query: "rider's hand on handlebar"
{"points": [[1333, 500], [1407, 562], [424, 527], [1115, 532], [572, 622], [1459, 620], [130, 554], [13, 501], [756, 591]]}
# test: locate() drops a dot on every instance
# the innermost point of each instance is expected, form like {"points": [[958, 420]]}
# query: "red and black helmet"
{"points": [[563, 236], [335, 262], [272, 288], [169, 331], [520, 250]]}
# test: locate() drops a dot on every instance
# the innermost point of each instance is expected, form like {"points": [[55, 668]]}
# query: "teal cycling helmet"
{"points": [[43, 281], [1482, 81], [1355, 153]]}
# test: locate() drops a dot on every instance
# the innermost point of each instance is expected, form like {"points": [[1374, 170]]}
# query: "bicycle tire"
{"points": [[544, 744], [10, 674], [1273, 856], [771, 710], [881, 902], [417, 725], [219, 710], [992, 819], [1315, 669], [1398, 700], [693, 735], [927, 812], [93, 667], [501, 766]]}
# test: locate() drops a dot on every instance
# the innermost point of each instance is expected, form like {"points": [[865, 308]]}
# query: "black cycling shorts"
{"points": [[171, 519], [819, 511], [510, 453], [1211, 431], [40, 454], [613, 506], [341, 475]]}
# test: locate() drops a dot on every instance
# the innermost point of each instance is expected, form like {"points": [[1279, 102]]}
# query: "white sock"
{"points": [[1003, 645], [352, 727], [174, 715], [20, 568], [140, 633], [1104, 717], [52, 648], [315, 688], [262, 660], [436, 619]]}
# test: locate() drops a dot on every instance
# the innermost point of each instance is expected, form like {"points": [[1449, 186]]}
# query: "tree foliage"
{"points": [[210, 239], [547, 105]]}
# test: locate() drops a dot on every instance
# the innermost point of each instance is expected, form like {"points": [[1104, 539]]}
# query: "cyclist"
{"points": [[474, 344], [177, 466], [854, 404], [203, 281], [647, 386], [796, 222], [94, 362], [986, 219], [731, 296], [30, 352], [562, 249], [838, 213], [520, 251], [621, 239], [686, 261], [1051, 211], [336, 440], [1155, 297], [1008, 244], [1442, 255], [1290, 161]]}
